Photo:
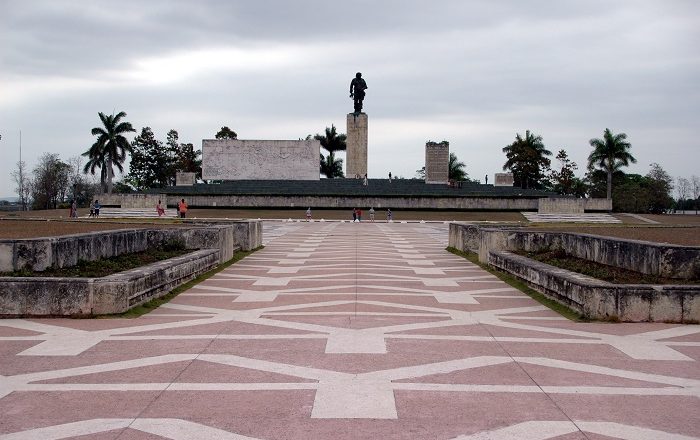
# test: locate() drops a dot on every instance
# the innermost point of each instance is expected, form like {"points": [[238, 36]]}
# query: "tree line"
{"points": [[154, 164]]}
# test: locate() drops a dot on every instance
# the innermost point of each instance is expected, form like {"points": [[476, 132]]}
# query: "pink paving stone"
{"points": [[452, 330], [350, 321], [163, 373], [691, 352], [126, 434], [203, 371], [677, 414], [514, 332], [108, 324], [11, 331], [28, 410], [538, 314], [201, 329], [551, 376], [452, 414], [226, 405], [502, 374], [623, 329]]}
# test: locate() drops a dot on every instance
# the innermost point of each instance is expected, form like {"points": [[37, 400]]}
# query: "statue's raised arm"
{"points": [[357, 91]]}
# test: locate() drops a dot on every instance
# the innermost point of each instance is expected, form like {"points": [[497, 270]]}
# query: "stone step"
{"points": [[535, 217]]}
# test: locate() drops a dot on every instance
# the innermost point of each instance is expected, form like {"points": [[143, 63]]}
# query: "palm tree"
{"points": [[457, 172], [526, 159], [332, 142], [109, 149], [610, 154], [331, 167]]}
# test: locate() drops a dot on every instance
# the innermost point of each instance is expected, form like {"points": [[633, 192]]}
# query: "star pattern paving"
{"points": [[349, 331]]}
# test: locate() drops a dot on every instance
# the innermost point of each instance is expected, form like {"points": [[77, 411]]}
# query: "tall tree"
{"points": [[610, 154], [226, 133], [81, 188], [526, 158], [457, 171], [24, 184], [683, 187], [563, 180], [150, 165], [189, 160], [660, 186], [332, 141], [51, 181], [172, 147], [110, 148]]}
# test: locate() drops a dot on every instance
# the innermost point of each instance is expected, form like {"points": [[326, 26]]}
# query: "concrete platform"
{"points": [[349, 331]]}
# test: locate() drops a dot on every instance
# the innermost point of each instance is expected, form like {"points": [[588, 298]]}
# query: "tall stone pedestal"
{"points": [[356, 157], [437, 162]]}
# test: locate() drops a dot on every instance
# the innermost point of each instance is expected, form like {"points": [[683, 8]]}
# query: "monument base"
{"points": [[356, 157]]}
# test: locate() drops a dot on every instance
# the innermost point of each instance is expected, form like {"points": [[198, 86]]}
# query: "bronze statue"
{"points": [[357, 91]]}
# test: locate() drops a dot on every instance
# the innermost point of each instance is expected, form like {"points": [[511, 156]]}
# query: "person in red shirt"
{"points": [[182, 208]]}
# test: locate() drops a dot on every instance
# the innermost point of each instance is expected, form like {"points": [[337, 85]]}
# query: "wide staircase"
{"points": [[535, 217], [136, 213]]}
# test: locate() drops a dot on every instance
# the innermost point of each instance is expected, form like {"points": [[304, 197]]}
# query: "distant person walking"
{"points": [[371, 214], [389, 216], [389, 176], [182, 208], [359, 214], [308, 214], [364, 182], [159, 209], [96, 206], [73, 209], [354, 214]]}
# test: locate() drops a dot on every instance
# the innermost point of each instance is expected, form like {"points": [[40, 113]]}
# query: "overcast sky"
{"points": [[473, 73]]}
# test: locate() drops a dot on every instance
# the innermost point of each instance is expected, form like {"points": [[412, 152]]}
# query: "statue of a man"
{"points": [[357, 91]]}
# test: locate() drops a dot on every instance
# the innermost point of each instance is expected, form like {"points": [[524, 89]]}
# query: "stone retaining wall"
{"points": [[56, 252], [115, 293], [593, 298], [666, 260], [596, 299]]}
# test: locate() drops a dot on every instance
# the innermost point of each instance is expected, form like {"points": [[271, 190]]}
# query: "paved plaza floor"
{"points": [[349, 331]]}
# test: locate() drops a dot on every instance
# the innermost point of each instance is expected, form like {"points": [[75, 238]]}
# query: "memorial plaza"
{"points": [[349, 331]]}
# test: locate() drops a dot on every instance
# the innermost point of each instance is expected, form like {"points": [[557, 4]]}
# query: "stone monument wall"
{"points": [[185, 179], [356, 145], [437, 162], [503, 179], [234, 159]]}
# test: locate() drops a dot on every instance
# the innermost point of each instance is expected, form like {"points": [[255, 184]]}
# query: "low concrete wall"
{"points": [[115, 293], [593, 298], [456, 203], [596, 299], [466, 237], [42, 253], [666, 260]]}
